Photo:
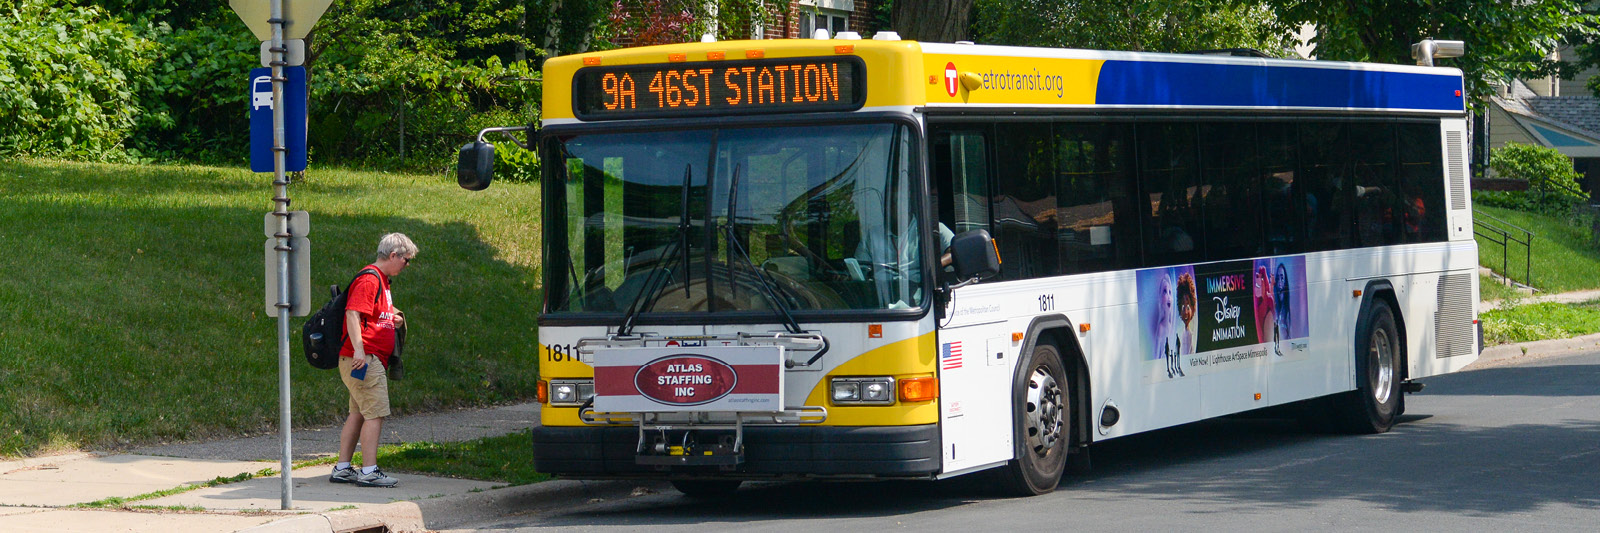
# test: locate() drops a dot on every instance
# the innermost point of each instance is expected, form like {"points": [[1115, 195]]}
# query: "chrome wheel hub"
{"points": [[1045, 411], [1381, 365]]}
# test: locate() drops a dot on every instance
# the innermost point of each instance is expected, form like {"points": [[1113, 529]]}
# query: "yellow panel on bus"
{"points": [[1002, 80]]}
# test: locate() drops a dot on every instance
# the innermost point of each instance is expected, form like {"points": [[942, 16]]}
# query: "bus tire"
{"points": [[1374, 405], [706, 488], [1041, 434]]}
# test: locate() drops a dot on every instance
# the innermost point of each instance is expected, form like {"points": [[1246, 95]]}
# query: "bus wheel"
{"points": [[1375, 403], [706, 488], [1042, 399]]}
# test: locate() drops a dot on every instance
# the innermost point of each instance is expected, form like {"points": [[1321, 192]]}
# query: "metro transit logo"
{"points": [[951, 82]]}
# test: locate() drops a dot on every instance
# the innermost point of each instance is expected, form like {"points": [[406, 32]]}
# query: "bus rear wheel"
{"points": [[706, 488], [1374, 405], [1042, 400]]}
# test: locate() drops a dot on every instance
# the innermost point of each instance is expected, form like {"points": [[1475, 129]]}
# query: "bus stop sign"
{"points": [[294, 119]]}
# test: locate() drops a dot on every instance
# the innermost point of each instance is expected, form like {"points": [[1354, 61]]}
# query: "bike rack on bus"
{"points": [[661, 452]]}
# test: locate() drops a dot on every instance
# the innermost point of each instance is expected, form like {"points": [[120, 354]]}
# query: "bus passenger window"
{"points": [[1377, 200], [1024, 204], [1326, 168], [1282, 206], [1098, 226], [1172, 196], [1421, 182], [1228, 171]]}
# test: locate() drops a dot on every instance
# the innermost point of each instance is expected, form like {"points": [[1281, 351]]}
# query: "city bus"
{"points": [[883, 259]]}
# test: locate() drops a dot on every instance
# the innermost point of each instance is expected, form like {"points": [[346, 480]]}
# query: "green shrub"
{"points": [[71, 77], [195, 95], [1552, 183]]}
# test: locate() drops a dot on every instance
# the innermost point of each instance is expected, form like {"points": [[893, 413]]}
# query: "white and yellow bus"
{"points": [[877, 259]]}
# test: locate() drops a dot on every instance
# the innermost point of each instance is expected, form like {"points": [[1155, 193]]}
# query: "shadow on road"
{"points": [[1451, 454]]}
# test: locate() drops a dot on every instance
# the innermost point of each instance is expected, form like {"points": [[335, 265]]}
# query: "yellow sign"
{"points": [[973, 79], [299, 16]]}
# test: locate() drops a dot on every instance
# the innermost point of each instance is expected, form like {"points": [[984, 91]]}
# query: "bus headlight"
{"points": [[570, 392], [864, 391]]}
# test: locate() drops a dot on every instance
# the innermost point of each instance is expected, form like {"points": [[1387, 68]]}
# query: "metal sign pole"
{"points": [[280, 182]]}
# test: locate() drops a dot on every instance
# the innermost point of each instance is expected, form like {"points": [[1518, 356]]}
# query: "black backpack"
{"points": [[323, 334]]}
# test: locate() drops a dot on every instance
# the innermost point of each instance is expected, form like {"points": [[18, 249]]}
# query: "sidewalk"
{"points": [[36, 493], [1560, 297]]}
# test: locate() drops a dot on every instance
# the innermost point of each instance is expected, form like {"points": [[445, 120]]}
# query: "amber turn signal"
{"points": [[919, 389], [542, 393]]}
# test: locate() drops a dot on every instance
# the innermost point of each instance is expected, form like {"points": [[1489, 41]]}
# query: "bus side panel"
{"points": [[976, 362], [1328, 368]]}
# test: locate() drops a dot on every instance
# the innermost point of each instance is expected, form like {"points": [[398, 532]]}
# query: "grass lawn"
{"points": [[1563, 259], [1540, 321], [507, 458], [133, 298], [1494, 289]]}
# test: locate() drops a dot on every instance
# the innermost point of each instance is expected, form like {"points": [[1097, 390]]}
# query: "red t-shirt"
{"points": [[369, 295]]}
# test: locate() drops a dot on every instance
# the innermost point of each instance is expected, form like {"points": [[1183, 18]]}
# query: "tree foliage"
{"points": [[1504, 39], [1552, 182], [1138, 25], [71, 77]]}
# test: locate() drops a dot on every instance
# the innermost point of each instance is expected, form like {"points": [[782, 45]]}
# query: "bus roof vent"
{"points": [[964, 42], [848, 36], [820, 33], [886, 35]]}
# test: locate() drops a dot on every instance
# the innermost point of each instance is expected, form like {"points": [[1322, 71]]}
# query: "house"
{"points": [[1552, 112]]}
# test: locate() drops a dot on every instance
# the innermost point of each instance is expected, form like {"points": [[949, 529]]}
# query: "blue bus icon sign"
{"points": [[261, 92], [294, 119]]}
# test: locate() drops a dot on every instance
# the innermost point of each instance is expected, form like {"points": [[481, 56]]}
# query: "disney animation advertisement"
{"points": [[1203, 318]]}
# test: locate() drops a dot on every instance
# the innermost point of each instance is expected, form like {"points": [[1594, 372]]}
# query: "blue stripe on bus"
{"points": [[1191, 84]]}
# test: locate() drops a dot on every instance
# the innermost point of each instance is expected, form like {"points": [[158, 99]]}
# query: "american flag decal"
{"points": [[950, 356]]}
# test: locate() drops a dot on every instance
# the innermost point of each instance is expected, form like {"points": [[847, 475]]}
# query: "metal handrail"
{"points": [[1500, 234], [1545, 181]]}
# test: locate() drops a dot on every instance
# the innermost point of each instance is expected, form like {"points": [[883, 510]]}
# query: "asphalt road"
{"points": [[1511, 448]]}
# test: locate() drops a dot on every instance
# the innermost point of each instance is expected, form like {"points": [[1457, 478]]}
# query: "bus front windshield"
{"points": [[793, 218]]}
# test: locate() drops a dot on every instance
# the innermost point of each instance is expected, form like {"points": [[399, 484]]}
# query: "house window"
{"points": [[833, 20]]}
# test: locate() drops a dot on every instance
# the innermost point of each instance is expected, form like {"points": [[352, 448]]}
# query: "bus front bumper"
{"points": [[769, 452]]}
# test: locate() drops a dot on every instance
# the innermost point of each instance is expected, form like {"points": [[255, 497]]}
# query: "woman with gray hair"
{"points": [[371, 321]]}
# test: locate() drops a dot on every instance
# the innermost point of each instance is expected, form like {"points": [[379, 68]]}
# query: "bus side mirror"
{"points": [[974, 256], [475, 167]]}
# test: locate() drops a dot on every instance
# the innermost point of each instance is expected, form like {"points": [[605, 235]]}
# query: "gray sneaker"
{"points": [[346, 475], [376, 479]]}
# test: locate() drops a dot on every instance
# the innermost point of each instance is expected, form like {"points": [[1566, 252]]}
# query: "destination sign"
{"points": [[707, 88]]}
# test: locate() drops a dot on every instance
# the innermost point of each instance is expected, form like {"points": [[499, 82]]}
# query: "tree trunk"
{"points": [[936, 21], [552, 29]]}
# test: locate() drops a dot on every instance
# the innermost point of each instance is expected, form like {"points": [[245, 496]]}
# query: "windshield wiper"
{"points": [[734, 248], [662, 272]]}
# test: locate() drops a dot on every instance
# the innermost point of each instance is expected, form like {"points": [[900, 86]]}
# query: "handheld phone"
{"points": [[360, 373]]}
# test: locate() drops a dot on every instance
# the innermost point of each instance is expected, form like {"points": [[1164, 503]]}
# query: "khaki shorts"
{"points": [[368, 397]]}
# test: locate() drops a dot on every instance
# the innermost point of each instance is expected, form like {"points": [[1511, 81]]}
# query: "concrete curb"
{"points": [[443, 513], [1506, 354]]}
